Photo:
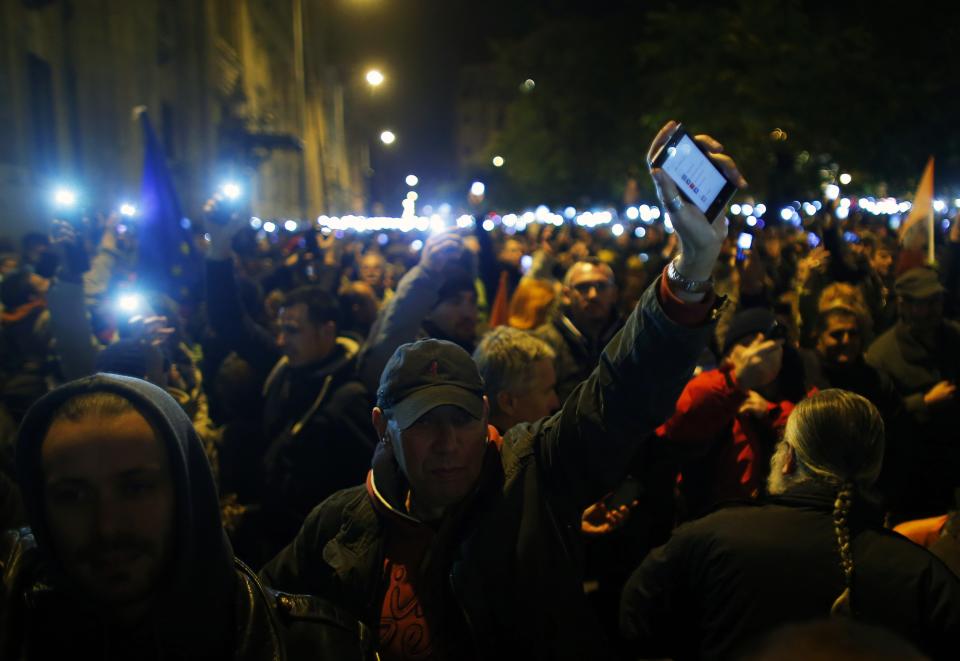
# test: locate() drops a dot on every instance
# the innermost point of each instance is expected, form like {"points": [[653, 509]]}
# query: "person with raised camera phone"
{"points": [[461, 545]]}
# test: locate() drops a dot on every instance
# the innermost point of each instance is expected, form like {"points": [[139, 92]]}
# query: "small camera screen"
{"points": [[745, 241]]}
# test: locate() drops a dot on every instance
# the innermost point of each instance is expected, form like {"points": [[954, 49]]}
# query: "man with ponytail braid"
{"points": [[816, 548]]}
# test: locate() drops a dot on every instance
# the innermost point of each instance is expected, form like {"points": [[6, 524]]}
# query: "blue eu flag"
{"points": [[169, 262]]}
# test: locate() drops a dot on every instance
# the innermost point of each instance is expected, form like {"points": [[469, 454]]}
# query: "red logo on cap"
{"points": [[434, 367]]}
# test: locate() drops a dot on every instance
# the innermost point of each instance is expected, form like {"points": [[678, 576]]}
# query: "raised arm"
{"points": [[228, 319], [586, 447], [400, 319]]}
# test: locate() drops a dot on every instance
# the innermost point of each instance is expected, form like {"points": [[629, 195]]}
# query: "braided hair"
{"points": [[837, 438], [841, 511]]}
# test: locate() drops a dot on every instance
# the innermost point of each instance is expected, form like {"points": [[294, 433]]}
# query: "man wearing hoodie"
{"points": [[460, 546], [316, 416], [125, 556]]}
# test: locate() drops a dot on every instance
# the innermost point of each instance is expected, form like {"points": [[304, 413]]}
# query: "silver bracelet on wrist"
{"points": [[685, 284]]}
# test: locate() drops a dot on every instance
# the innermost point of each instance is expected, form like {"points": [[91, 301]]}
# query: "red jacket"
{"points": [[724, 454]]}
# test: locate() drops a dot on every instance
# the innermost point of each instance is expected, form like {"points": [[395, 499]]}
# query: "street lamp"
{"points": [[498, 161], [375, 78], [412, 180], [388, 138]]}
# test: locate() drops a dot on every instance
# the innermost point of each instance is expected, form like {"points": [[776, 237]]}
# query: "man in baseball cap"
{"points": [[460, 546], [432, 410]]}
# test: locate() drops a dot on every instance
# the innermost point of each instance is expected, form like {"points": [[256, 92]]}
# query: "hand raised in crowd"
{"points": [[941, 393], [62, 233], [758, 363], [701, 238], [223, 221], [816, 262], [546, 245], [153, 330], [755, 405], [108, 238], [598, 520], [330, 248], [440, 249]]}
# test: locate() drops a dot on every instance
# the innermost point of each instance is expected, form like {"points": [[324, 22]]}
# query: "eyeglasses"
{"points": [[600, 285]]}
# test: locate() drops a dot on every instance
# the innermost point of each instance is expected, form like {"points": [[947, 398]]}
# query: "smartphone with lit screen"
{"points": [[700, 182]]}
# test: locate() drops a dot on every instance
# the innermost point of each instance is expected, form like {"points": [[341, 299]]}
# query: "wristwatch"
{"points": [[683, 284]]}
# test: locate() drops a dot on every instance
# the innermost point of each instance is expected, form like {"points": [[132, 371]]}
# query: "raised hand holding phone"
{"points": [[701, 237]]}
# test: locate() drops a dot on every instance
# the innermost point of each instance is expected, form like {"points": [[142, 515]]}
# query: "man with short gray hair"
{"points": [[518, 373]]}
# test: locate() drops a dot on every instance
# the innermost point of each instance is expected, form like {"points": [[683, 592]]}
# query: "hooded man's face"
{"points": [[109, 504]]}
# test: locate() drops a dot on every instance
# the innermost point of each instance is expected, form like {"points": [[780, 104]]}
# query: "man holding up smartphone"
{"points": [[474, 537]]}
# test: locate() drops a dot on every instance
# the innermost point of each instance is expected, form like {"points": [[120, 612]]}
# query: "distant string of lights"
{"points": [[644, 214]]}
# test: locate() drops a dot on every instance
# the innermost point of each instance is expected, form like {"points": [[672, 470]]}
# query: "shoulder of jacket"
{"points": [[337, 507]]}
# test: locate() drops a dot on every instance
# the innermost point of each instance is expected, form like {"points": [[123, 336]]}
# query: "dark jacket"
{"points": [[742, 571], [576, 355], [315, 419], [210, 605], [933, 453], [319, 421], [509, 567]]}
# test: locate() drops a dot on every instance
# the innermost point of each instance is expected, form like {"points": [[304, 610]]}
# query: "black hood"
{"points": [[200, 588]]}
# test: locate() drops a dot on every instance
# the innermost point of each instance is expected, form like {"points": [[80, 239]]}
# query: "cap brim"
{"points": [[416, 404], [923, 291]]}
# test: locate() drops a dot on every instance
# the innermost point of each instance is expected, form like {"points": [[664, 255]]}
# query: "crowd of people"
{"points": [[552, 442]]}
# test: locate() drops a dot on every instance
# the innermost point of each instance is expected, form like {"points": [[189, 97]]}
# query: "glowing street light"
{"points": [[477, 188], [388, 137], [412, 180], [375, 78], [498, 161], [845, 178]]}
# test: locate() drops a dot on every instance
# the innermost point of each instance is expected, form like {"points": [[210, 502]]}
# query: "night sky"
{"points": [[422, 44]]}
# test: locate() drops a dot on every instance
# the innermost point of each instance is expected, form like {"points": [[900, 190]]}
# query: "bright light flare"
{"points": [[65, 197], [375, 78]]}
